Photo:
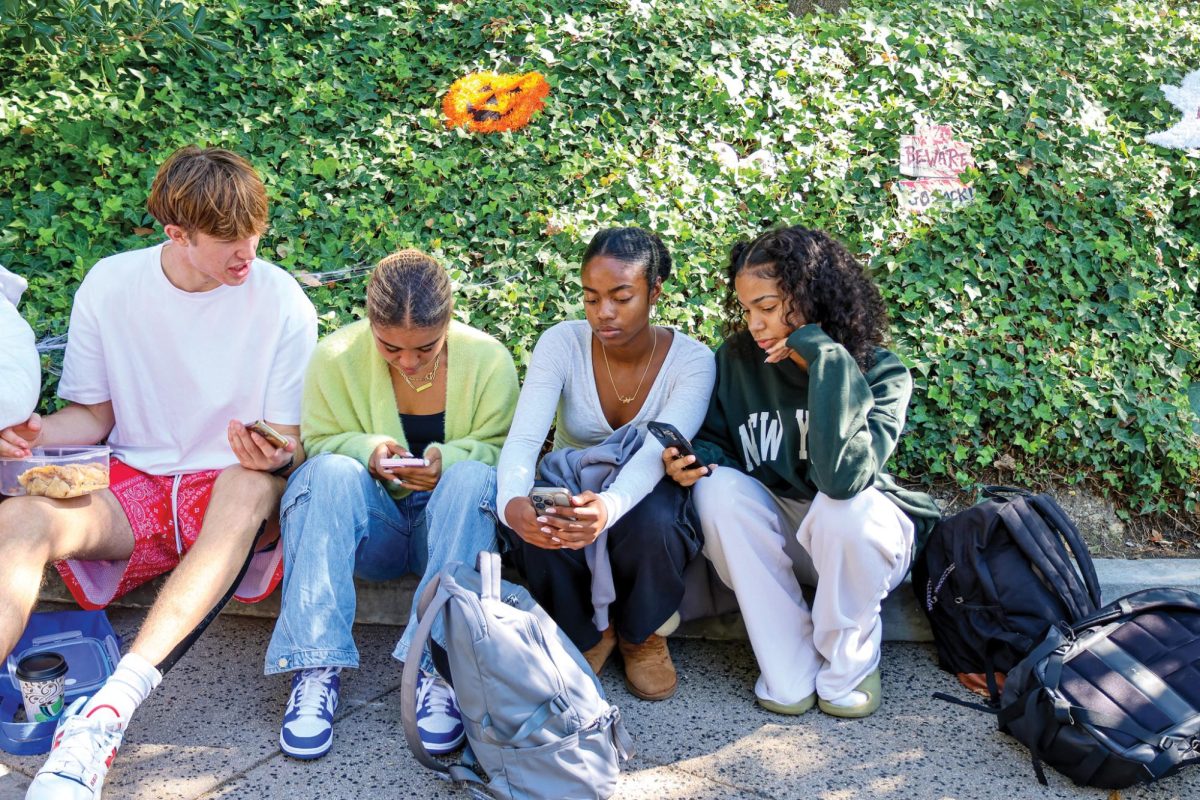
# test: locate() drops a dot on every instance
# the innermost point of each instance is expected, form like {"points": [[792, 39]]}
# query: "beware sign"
{"points": [[917, 196], [935, 159], [932, 152]]}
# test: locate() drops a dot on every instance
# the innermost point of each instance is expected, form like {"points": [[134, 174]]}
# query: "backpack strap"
{"points": [[1146, 681], [1035, 744], [547, 711], [1120, 663], [1066, 528], [1014, 640], [1174, 751], [1038, 542], [181, 649], [1003, 492], [433, 599], [621, 737], [1139, 602], [964, 703], [1047, 648], [1034, 531], [489, 572]]}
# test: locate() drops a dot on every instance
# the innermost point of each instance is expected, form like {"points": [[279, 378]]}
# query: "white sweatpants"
{"points": [[855, 551]]}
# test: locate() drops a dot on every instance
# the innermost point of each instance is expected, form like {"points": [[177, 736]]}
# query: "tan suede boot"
{"points": [[598, 654], [649, 673]]}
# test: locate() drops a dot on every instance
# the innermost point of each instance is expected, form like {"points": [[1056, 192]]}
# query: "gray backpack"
{"points": [[535, 715]]}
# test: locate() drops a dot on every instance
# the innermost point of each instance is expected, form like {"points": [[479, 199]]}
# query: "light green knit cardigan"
{"points": [[350, 408]]}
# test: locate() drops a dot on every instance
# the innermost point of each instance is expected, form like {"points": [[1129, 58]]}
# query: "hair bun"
{"points": [[636, 246]]}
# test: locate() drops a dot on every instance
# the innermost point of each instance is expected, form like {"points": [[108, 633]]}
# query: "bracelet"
{"points": [[279, 471]]}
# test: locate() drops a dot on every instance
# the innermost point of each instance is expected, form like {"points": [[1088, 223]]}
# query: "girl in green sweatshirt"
{"points": [[789, 470]]}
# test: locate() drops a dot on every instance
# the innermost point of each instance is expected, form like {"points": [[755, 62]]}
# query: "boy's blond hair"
{"points": [[209, 190]]}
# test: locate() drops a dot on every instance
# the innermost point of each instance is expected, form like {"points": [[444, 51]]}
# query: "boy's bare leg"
{"points": [[37, 530], [241, 500]]}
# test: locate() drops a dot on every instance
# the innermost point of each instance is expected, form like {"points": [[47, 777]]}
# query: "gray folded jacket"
{"points": [[594, 469]]}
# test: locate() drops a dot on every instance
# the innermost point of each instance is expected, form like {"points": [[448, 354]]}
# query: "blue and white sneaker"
{"points": [[307, 730], [84, 749], [438, 721]]}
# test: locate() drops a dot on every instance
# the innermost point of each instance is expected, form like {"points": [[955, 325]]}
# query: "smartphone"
{"points": [[391, 463], [545, 498], [669, 436], [267, 432]]}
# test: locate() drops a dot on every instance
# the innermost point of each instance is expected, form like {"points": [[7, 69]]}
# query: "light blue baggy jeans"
{"points": [[338, 523], [461, 519]]}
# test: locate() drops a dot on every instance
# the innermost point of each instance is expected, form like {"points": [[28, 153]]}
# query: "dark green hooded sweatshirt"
{"points": [[830, 428]]}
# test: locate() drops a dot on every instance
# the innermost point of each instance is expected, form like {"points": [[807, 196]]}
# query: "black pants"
{"points": [[648, 549]]}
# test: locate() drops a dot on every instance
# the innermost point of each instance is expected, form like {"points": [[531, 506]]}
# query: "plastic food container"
{"points": [[85, 639], [57, 472], [89, 660]]}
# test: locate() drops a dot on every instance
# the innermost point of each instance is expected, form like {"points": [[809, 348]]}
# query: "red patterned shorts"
{"points": [[166, 513]]}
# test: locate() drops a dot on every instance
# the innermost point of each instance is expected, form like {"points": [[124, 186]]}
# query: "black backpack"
{"points": [[1113, 699], [994, 577]]}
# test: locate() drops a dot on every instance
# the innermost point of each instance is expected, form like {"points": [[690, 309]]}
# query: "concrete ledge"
{"points": [[389, 603], [378, 603]]}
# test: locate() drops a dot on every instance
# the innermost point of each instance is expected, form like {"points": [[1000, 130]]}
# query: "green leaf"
{"points": [[1052, 318], [325, 167]]}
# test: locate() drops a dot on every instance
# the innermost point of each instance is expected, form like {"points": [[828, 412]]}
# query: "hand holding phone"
{"points": [[267, 432], [407, 461], [392, 463], [586, 519], [546, 498], [669, 436], [259, 447], [685, 467]]}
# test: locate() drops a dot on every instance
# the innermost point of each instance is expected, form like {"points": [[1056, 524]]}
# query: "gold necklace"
{"points": [[429, 376], [649, 361]]}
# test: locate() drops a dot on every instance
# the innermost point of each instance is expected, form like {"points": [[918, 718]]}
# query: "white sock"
{"points": [[126, 689], [670, 626], [854, 698]]}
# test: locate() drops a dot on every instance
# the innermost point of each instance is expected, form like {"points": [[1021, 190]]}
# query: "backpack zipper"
{"points": [[932, 592]]}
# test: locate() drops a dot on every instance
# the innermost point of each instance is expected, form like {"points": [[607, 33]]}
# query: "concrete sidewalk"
{"points": [[211, 731]]}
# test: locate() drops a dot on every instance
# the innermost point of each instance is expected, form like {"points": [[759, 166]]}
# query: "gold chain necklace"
{"points": [[429, 376], [649, 361]]}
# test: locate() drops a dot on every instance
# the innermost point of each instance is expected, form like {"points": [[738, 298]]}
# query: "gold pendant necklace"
{"points": [[429, 377], [616, 391]]}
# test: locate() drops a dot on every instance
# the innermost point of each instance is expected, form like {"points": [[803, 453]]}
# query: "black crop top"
{"points": [[423, 429]]}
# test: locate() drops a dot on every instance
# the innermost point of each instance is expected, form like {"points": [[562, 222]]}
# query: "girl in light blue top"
{"points": [[590, 378]]}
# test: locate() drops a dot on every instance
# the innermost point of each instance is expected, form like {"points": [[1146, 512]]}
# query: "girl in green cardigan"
{"points": [[806, 411], [406, 383]]}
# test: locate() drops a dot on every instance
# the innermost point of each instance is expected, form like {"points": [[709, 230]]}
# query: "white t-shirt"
{"points": [[20, 369], [178, 366]]}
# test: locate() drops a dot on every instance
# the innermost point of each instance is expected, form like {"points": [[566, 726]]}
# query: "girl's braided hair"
{"points": [[409, 289]]}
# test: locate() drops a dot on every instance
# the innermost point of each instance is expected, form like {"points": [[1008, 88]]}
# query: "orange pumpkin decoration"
{"points": [[487, 102]]}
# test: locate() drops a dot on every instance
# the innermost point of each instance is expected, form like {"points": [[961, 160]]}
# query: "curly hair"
{"points": [[821, 280]]}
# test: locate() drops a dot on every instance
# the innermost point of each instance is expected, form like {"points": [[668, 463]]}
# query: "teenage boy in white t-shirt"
{"points": [[171, 350]]}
